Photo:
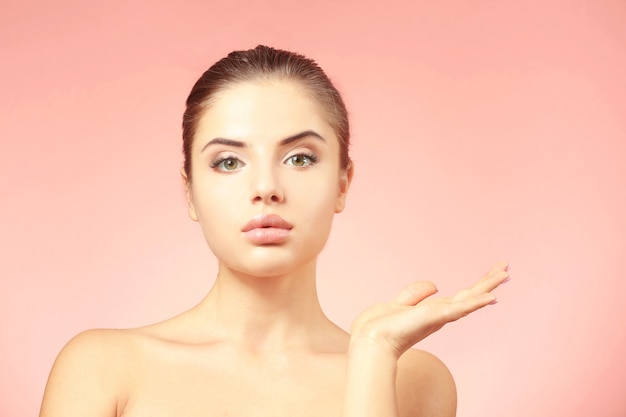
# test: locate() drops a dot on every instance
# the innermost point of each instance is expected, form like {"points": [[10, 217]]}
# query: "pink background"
{"points": [[483, 130]]}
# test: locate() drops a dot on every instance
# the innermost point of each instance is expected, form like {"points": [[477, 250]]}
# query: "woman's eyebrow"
{"points": [[301, 135], [286, 141], [222, 141]]}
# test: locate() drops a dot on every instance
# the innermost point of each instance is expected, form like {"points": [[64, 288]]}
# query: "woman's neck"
{"points": [[266, 313]]}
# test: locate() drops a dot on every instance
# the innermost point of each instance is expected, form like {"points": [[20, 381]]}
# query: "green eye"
{"points": [[301, 160], [229, 164]]}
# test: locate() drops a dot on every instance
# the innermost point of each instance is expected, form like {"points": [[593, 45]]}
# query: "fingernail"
{"points": [[507, 279], [507, 267], [495, 301]]}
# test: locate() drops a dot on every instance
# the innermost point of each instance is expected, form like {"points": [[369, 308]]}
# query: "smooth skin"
{"points": [[259, 343]]}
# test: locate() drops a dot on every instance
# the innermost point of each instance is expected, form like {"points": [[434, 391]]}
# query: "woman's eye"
{"points": [[301, 160], [227, 164]]}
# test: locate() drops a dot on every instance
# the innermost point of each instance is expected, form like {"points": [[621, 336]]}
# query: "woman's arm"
{"points": [[385, 331], [417, 385], [83, 380]]}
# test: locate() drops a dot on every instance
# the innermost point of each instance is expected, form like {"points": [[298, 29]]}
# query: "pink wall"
{"points": [[482, 131]]}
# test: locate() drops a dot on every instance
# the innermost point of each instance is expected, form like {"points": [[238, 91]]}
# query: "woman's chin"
{"points": [[271, 268], [270, 262]]}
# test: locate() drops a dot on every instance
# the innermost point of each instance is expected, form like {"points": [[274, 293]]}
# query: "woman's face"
{"points": [[266, 178]]}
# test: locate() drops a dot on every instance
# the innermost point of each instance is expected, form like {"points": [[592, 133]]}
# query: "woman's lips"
{"points": [[267, 229]]}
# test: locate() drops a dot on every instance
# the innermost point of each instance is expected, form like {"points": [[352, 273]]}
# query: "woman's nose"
{"points": [[266, 187]]}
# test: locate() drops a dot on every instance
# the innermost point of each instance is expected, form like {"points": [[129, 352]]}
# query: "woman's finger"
{"points": [[491, 282], [498, 266], [446, 310], [414, 293], [496, 277]]}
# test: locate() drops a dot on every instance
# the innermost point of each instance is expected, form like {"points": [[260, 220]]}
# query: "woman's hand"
{"points": [[411, 316]]}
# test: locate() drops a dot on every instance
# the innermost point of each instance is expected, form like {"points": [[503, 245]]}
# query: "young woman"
{"points": [[265, 140]]}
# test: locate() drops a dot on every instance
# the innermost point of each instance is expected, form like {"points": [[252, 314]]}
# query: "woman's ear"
{"points": [[190, 205], [344, 185]]}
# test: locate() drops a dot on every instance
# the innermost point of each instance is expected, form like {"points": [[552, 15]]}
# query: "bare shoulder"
{"points": [[85, 378], [425, 386]]}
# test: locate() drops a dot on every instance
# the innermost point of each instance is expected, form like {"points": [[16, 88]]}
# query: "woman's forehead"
{"points": [[265, 108]]}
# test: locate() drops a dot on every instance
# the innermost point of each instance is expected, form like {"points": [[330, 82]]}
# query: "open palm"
{"points": [[413, 315]]}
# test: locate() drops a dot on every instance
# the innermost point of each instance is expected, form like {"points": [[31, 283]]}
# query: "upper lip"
{"points": [[267, 220]]}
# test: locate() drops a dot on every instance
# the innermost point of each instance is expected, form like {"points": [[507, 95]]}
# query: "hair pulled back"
{"points": [[265, 63]]}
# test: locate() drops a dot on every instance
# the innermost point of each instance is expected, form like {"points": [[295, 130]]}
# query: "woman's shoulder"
{"points": [[102, 346], [106, 348], [86, 374], [95, 370], [425, 385], [91, 349]]}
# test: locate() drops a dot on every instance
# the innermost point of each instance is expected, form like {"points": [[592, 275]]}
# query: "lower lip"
{"points": [[267, 235]]}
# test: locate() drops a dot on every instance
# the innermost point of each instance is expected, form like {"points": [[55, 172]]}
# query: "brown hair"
{"points": [[264, 62]]}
